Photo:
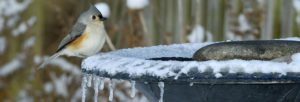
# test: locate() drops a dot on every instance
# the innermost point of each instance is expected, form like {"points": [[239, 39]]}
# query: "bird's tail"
{"points": [[110, 44], [48, 60]]}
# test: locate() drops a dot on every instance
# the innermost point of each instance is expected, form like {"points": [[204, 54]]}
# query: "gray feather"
{"points": [[76, 32]]}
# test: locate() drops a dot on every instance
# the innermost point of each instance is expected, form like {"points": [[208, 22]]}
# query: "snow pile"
{"points": [[198, 35], [103, 8], [137, 4]]}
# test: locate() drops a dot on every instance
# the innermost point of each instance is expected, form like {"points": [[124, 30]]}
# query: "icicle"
{"points": [[89, 84], [132, 94], [96, 87], [101, 85], [161, 86], [83, 87], [111, 91], [191, 83]]}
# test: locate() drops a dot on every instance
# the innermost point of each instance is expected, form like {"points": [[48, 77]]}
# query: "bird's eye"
{"points": [[93, 17]]}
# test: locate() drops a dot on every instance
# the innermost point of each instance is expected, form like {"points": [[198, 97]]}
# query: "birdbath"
{"points": [[167, 73]]}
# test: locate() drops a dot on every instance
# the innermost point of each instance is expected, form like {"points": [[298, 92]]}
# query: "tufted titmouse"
{"points": [[86, 38]]}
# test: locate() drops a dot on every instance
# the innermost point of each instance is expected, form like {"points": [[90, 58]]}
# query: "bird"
{"points": [[86, 37]]}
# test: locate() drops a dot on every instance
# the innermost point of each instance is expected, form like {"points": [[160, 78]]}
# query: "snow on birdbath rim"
{"points": [[133, 64]]}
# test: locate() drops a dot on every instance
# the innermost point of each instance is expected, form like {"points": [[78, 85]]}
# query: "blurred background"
{"points": [[31, 30]]}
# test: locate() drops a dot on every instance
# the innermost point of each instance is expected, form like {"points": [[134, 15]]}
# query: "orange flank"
{"points": [[77, 42]]}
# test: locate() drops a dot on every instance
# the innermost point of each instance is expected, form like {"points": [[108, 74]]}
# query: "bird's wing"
{"points": [[76, 32]]}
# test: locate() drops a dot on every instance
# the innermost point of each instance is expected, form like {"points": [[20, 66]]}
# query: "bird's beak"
{"points": [[103, 18]]}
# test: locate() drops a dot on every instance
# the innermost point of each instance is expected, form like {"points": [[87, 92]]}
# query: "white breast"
{"points": [[95, 40], [93, 43]]}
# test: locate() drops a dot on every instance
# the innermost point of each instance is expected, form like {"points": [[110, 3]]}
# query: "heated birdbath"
{"points": [[246, 71]]}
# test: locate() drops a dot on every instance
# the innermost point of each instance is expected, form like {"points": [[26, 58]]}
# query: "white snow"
{"points": [[12, 66], [9, 11], [22, 27], [29, 42], [2, 44], [290, 38], [12, 21], [232, 36], [198, 35], [24, 96], [20, 30], [61, 63], [218, 75], [137, 4], [161, 86], [132, 61], [37, 59], [61, 84], [244, 25], [12, 7], [48, 87], [103, 8], [31, 21]]}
